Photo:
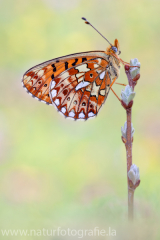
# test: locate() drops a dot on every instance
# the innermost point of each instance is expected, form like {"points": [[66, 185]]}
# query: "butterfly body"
{"points": [[77, 84]]}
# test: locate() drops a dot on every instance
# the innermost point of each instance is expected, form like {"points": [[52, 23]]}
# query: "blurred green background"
{"points": [[59, 173]]}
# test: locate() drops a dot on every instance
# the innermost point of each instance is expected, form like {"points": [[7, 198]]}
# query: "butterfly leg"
{"points": [[121, 84], [113, 82], [115, 94], [112, 89], [123, 62]]}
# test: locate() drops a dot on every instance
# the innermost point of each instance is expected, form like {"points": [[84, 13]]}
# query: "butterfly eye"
{"points": [[119, 53], [114, 49]]}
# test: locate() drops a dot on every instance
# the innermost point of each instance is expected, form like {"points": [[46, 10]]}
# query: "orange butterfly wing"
{"points": [[77, 84]]}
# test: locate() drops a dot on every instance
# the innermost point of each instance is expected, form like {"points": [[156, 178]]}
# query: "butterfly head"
{"points": [[114, 48]]}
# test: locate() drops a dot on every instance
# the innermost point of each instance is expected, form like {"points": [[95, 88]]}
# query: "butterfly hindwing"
{"points": [[77, 84], [76, 90]]}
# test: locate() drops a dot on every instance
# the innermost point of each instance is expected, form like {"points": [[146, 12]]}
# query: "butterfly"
{"points": [[77, 84]]}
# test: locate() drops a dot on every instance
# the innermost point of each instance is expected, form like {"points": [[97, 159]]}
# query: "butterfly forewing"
{"points": [[77, 84]]}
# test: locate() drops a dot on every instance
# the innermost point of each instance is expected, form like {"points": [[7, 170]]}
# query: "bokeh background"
{"points": [[55, 172]]}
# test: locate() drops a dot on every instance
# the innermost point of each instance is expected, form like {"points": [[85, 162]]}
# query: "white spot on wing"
{"points": [[57, 102], [78, 75], [30, 94], [99, 61], [71, 114], [81, 115], [63, 109], [83, 68], [102, 92], [27, 78], [81, 85], [53, 93], [95, 90], [65, 74], [91, 114], [98, 71], [101, 76], [96, 65], [53, 84], [40, 73]]}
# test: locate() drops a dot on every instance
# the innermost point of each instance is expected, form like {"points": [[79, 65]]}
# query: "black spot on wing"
{"points": [[84, 59], [74, 63], [66, 65], [54, 68]]}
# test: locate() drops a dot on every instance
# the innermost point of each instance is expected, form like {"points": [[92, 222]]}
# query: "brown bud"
{"points": [[126, 67], [124, 140], [133, 186], [135, 79], [127, 106]]}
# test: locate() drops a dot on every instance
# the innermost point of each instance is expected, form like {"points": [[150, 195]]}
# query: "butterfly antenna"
{"points": [[87, 22]]}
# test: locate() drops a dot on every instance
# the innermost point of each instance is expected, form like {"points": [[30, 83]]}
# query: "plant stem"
{"points": [[130, 203], [128, 146], [129, 139]]}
